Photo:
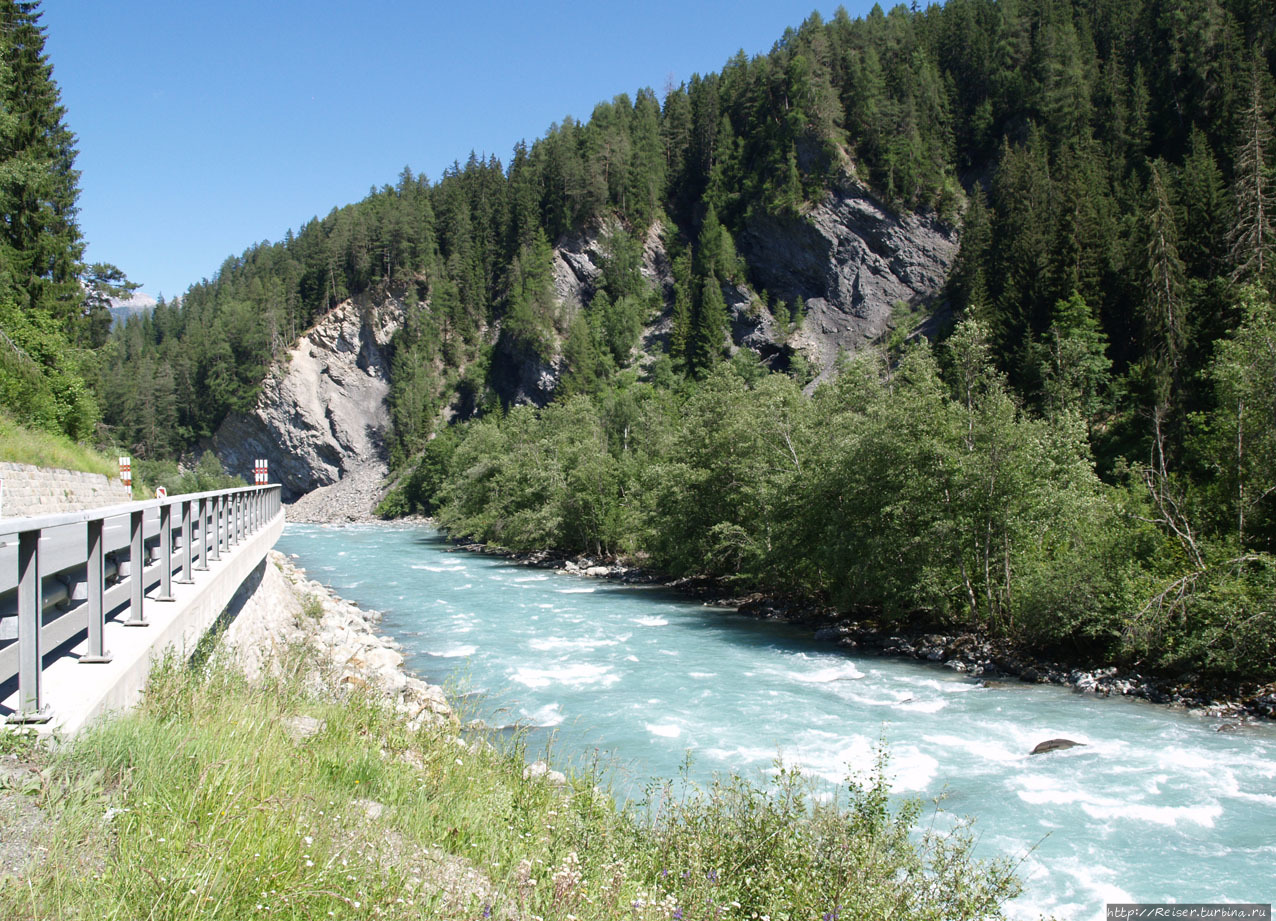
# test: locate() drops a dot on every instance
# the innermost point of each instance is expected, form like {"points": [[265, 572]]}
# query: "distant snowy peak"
{"points": [[124, 307]]}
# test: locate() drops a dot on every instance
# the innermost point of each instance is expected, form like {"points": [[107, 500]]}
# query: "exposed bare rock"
{"points": [[656, 265], [577, 268], [352, 498], [521, 377], [578, 261], [538, 770], [752, 325], [300, 728], [1051, 745], [851, 259], [321, 413]]}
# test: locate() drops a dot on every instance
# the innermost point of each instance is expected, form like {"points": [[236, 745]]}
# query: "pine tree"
{"points": [[40, 242], [1075, 368], [680, 331], [1164, 307], [1253, 239], [582, 360], [1204, 208], [710, 328]]}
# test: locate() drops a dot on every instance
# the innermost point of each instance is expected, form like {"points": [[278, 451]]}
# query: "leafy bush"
{"points": [[41, 380]]}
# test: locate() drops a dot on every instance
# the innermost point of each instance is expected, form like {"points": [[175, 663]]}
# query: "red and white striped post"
{"points": [[261, 475], [126, 472]]}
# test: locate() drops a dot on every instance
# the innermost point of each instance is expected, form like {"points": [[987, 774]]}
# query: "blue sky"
{"points": [[206, 127]]}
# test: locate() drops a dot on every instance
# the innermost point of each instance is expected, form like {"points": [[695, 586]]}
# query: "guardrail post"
{"points": [[96, 583], [186, 544], [201, 560], [166, 554], [137, 570], [216, 551], [30, 617]]}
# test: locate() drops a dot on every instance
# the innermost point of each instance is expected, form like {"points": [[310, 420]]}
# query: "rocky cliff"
{"points": [[521, 377], [321, 415], [851, 259]]}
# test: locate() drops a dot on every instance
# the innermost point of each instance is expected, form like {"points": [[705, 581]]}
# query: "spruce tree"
{"points": [[710, 328], [680, 329], [40, 242], [1253, 239], [1164, 308]]}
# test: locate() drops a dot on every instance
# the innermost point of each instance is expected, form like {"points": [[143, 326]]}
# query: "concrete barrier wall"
{"points": [[31, 491]]}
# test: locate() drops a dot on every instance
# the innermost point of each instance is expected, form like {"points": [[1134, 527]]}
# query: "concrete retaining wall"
{"points": [[30, 491]]}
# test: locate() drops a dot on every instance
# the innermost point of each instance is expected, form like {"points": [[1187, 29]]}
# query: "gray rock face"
{"points": [[851, 259], [521, 376], [321, 414], [578, 262]]}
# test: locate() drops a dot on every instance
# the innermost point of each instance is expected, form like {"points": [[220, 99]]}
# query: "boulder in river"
{"points": [[1054, 745]]}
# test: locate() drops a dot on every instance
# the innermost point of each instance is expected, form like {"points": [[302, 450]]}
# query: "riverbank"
{"points": [[283, 609], [991, 659], [277, 774]]}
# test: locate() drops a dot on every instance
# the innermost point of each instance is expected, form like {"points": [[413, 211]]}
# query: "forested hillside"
{"points": [[53, 307], [1115, 150], [1085, 454]]}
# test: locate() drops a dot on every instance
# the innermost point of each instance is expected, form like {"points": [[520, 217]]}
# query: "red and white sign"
{"points": [[126, 472], [161, 492], [261, 474]]}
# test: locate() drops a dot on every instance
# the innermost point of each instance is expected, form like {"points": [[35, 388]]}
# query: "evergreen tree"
{"points": [[583, 363], [40, 242], [1253, 239], [683, 306], [1165, 305], [709, 330], [1076, 367], [1204, 209], [1242, 442]]}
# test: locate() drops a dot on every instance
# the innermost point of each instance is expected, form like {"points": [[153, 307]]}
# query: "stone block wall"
{"points": [[32, 491]]}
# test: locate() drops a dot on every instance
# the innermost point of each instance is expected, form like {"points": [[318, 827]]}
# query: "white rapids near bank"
{"points": [[1155, 806]]}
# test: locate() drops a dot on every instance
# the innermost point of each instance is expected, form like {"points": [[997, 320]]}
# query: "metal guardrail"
{"points": [[64, 576]]}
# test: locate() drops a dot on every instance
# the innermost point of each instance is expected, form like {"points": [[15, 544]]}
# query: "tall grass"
{"points": [[22, 445], [202, 804]]}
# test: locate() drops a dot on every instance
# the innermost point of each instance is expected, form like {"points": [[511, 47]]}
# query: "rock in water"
{"points": [[1054, 745]]}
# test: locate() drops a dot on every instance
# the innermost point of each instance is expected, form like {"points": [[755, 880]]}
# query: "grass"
{"points": [[22, 445], [201, 804]]}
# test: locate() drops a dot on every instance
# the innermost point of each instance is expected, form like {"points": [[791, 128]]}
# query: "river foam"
{"points": [[1153, 806]]}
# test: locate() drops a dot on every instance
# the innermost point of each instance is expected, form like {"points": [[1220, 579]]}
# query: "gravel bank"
{"points": [[351, 498]]}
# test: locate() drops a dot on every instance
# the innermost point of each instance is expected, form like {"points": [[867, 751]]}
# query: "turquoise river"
{"points": [[1157, 806]]}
